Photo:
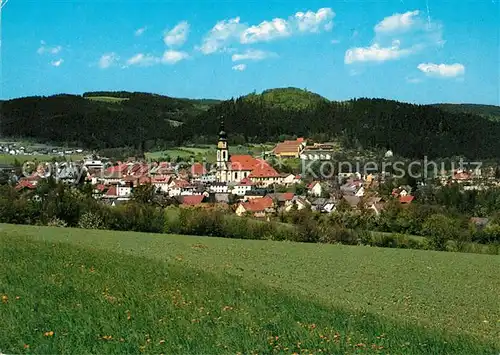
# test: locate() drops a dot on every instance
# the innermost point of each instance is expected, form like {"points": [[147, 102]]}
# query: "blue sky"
{"points": [[413, 51]]}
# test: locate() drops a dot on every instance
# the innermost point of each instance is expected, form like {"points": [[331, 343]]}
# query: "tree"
{"points": [[440, 229]]}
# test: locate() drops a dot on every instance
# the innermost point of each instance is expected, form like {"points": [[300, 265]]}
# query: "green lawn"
{"points": [[207, 152], [121, 292], [10, 159]]}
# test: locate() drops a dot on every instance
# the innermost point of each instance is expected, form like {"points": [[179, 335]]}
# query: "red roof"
{"points": [[25, 184], [312, 184], [263, 169], [242, 162], [181, 183], [100, 187], [288, 196], [143, 180], [112, 191], [192, 200], [288, 146], [258, 205], [406, 199], [121, 168], [198, 169]]}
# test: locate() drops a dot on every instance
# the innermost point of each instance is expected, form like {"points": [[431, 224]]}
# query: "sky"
{"points": [[422, 52]]}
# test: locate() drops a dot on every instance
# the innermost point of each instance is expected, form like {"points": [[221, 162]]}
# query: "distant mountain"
{"points": [[488, 111], [144, 121]]}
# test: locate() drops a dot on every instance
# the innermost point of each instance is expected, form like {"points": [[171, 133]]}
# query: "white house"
{"points": [[219, 187], [315, 189], [242, 187]]}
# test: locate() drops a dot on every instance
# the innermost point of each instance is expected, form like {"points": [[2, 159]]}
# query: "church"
{"points": [[235, 168]]}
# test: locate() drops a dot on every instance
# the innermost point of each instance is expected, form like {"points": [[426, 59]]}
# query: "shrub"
{"points": [[56, 222], [91, 220]]}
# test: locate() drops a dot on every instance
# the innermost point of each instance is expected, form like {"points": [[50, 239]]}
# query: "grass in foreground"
{"points": [[209, 295]]}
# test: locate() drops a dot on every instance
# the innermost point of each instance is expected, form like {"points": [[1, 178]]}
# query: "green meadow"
{"points": [[11, 159], [85, 291]]}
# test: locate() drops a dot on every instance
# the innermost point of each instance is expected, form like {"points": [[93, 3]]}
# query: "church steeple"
{"points": [[222, 154], [222, 131]]}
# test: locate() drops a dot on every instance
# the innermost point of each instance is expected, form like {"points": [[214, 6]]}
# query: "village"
{"points": [[244, 184]]}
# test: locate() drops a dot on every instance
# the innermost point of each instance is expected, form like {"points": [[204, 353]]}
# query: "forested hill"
{"points": [[99, 119], [144, 121], [410, 130], [488, 111]]}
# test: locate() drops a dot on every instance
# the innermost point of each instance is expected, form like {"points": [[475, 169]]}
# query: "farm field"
{"points": [[85, 291], [108, 99], [207, 152], [10, 159]]}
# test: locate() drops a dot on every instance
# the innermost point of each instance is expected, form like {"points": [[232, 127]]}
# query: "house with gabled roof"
{"points": [[257, 207]]}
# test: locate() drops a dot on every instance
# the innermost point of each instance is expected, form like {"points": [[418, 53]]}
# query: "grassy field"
{"points": [[79, 291], [10, 159], [108, 99], [207, 152]]}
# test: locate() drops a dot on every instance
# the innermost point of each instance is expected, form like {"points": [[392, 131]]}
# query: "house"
{"points": [[198, 170], [289, 149], [208, 178], [323, 205], [216, 198], [242, 187], [178, 187], [219, 187], [193, 200], [315, 189], [297, 202], [318, 152], [289, 179], [407, 199], [25, 185], [161, 182], [258, 207], [124, 191], [255, 194], [282, 199]]}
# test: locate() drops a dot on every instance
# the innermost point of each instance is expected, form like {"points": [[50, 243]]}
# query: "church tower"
{"points": [[222, 155]]}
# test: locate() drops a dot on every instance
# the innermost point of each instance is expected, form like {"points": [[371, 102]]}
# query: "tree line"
{"points": [[146, 122]]}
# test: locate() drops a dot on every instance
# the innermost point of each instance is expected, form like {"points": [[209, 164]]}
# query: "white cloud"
{"points": [[398, 22], [143, 60], [57, 63], [315, 21], [172, 57], [140, 31], [252, 54], [335, 41], [44, 49], [442, 70], [240, 67], [107, 60], [178, 35], [397, 36], [229, 31], [376, 53], [221, 34], [266, 31]]}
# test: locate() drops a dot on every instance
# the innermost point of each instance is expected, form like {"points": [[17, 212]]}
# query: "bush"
{"points": [[56, 222], [91, 220]]}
